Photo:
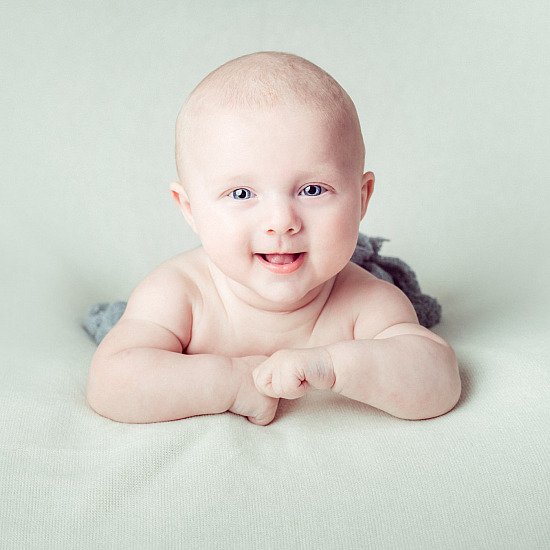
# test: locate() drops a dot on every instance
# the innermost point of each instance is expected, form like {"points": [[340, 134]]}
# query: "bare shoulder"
{"points": [[172, 279], [376, 304], [167, 295]]}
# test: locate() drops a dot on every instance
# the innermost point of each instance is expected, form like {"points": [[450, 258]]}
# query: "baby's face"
{"points": [[276, 198]]}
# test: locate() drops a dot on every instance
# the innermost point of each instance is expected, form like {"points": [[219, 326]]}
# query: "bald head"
{"points": [[265, 80]]}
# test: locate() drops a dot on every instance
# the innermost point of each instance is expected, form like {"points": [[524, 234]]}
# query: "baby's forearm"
{"points": [[409, 376], [152, 385]]}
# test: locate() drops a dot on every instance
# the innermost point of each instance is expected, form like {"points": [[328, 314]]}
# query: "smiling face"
{"points": [[276, 195]]}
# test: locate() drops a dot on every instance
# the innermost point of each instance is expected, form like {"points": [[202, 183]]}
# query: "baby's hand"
{"points": [[291, 373], [257, 407]]}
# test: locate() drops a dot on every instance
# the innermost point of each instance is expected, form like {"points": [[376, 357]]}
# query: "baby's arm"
{"points": [[405, 369], [139, 373]]}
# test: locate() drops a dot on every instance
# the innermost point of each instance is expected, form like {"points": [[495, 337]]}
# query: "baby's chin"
{"points": [[282, 299], [274, 292]]}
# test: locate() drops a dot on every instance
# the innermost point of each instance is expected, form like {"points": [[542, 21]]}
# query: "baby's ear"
{"points": [[179, 194], [367, 187]]}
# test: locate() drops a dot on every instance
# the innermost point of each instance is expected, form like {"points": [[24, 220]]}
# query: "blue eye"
{"points": [[312, 190], [241, 194]]}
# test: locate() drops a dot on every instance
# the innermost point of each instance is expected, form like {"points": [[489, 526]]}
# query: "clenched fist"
{"points": [[290, 373]]}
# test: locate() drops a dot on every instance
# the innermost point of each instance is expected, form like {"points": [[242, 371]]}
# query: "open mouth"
{"points": [[282, 263], [280, 259]]}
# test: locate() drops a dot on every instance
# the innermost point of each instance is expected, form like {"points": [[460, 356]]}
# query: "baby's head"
{"points": [[265, 80], [270, 157]]}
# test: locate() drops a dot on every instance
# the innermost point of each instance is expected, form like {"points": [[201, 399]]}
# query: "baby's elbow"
{"points": [[99, 405], [102, 395], [98, 397], [432, 406], [105, 404], [451, 383], [438, 394]]}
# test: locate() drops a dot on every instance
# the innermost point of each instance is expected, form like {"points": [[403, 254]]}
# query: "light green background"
{"points": [[453, 99], [454, 102]]}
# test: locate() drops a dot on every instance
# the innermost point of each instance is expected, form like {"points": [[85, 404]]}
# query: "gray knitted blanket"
{"points": [[102, 317]]}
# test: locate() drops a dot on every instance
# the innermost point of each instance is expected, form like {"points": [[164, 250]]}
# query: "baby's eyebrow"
{"points": [[315, 175], [318, 174], [239, 179]]}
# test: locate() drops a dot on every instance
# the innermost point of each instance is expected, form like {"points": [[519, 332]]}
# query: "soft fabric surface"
{"points": [[453, 100]]}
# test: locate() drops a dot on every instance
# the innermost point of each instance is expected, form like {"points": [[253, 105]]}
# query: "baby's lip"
{"points": [[282, 263], [281, 258]]}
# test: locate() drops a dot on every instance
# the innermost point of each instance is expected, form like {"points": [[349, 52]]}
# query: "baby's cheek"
{"points": [[343, 238]]}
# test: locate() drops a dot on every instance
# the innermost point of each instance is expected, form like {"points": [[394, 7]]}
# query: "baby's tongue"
{"points": [[281, 259]]}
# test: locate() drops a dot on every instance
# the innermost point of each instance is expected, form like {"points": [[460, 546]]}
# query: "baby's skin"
{"points": [[269, 307], [241, 359]]}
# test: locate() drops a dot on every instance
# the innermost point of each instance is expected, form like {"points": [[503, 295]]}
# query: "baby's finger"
{"points": [[263, 381], [287, 385]]}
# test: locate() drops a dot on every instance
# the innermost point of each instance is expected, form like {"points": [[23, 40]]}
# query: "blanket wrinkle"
{"points": [[101, 317]]}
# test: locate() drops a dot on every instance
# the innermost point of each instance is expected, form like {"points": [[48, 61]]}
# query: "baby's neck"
{"points": [[240, 302]]}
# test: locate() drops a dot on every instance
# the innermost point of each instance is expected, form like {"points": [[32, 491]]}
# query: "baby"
{"points": [[270, 160]]}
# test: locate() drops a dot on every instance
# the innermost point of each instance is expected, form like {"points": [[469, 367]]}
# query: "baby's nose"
{"points": [[281, 218]]}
